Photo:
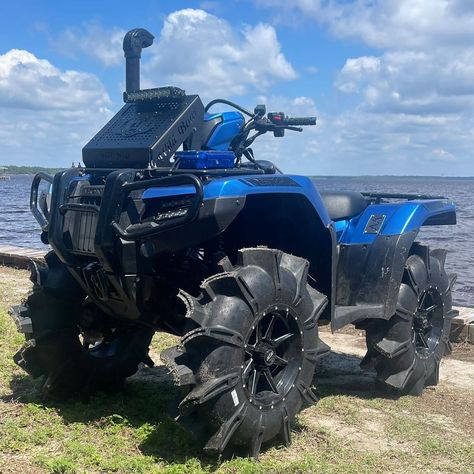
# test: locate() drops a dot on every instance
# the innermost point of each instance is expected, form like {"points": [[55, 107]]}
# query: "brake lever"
{"points": [[294, 129]]}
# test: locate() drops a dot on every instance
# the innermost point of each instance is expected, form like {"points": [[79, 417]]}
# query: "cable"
{"points": [[228, 102]]}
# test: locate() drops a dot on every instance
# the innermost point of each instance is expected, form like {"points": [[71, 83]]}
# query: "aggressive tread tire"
{"points": [[265, 297], [407, 349], [54, 351]]}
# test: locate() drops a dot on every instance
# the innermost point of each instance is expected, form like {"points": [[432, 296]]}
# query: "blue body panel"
{"points": [[235, 186], [205, 159], [399, 217], [230, 126]]}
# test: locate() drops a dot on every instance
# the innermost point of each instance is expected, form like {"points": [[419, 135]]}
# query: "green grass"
{"points": [[134, 431]]}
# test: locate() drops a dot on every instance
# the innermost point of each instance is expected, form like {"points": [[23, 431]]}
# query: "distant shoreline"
{"points": [[14, 170]]}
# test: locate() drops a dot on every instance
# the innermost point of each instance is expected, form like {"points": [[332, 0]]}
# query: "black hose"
{"points": [[228, 102]]}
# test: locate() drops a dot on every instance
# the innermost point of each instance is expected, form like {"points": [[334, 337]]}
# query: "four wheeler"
{"points": [[173, 225]]}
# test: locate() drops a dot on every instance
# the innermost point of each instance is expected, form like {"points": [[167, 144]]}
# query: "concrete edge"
{"points": [[19, 257], [462, 326]]}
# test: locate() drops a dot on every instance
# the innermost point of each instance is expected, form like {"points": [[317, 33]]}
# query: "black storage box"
{"points": [[145, 133]]}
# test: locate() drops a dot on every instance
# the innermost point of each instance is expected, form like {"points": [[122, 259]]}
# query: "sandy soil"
{"points": [[458, 373]]}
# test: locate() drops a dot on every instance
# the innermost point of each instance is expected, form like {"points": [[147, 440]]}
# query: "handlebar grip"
{"points": [[300, 121]]}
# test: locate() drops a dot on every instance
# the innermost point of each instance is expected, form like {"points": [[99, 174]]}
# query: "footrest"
{"points": [[175, 359]]}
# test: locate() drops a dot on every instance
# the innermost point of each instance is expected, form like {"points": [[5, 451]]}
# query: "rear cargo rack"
{"points": [[377, 198]]}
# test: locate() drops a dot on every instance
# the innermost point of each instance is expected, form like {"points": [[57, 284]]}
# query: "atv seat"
{"points": [[343, 204]]}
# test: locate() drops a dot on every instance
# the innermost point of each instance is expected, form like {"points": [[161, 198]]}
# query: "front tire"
{"points": [[407, 349], [253, 349], [54, 349]]}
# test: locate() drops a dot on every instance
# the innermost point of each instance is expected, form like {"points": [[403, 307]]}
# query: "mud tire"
{"points": [[230, 318], [407, 349], [54, 350]]}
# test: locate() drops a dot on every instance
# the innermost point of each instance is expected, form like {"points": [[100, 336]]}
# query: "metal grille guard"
{"points": [[41, 216]]}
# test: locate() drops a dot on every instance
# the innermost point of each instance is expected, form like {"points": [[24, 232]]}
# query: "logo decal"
{"points": [[374, 224], [137, 125]]}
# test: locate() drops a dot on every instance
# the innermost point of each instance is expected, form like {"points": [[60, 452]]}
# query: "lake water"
{"points": [[18, 227]]}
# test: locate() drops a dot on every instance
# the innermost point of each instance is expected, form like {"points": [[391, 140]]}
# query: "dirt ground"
{"points": [[456, 370], [354, 428]]}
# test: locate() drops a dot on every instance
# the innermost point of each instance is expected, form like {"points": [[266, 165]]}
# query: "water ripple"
{"points": [[18, 227]]}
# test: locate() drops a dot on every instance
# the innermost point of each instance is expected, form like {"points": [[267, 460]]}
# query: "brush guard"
{"points": [[40, 214]]}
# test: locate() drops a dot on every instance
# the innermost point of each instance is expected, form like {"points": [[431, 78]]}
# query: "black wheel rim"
{"points": [[273, 355], [110, 344], [428, 322]]}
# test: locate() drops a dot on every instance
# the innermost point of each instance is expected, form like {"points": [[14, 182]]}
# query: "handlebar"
{"points": [[300, 121], [260, 122], [279, 118]]}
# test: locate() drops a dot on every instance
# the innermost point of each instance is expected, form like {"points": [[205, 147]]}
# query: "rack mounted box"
{"points": [[145, 133]]}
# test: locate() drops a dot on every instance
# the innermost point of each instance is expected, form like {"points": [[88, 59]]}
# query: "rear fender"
{"points": [[373, 249]]}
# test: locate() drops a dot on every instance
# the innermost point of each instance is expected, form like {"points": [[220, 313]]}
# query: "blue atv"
{"points": [[173, 225]]}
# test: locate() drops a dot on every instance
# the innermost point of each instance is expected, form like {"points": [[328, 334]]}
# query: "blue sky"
{"points": [[392, 81]]}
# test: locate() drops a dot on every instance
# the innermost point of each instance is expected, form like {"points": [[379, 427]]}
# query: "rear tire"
{"points": [[54, 349], [407, 349], [253, 350]]}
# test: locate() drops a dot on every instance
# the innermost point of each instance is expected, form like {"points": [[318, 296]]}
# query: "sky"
{"points": [[391, 81]]}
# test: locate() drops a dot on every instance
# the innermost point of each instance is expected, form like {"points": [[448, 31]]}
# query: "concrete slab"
{"points": [[462, 326], [18, 257]]}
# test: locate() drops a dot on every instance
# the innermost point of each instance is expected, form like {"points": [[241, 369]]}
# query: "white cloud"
{"points": [[93, 40], [204, 53], [410, 106], [412, 82], [46, 114], [354, 70], [196, 50], [300, 106], [413, 24], [391, 23]]}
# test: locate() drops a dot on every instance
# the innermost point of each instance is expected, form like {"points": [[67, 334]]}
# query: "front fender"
{"points": [[277, 211]]}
